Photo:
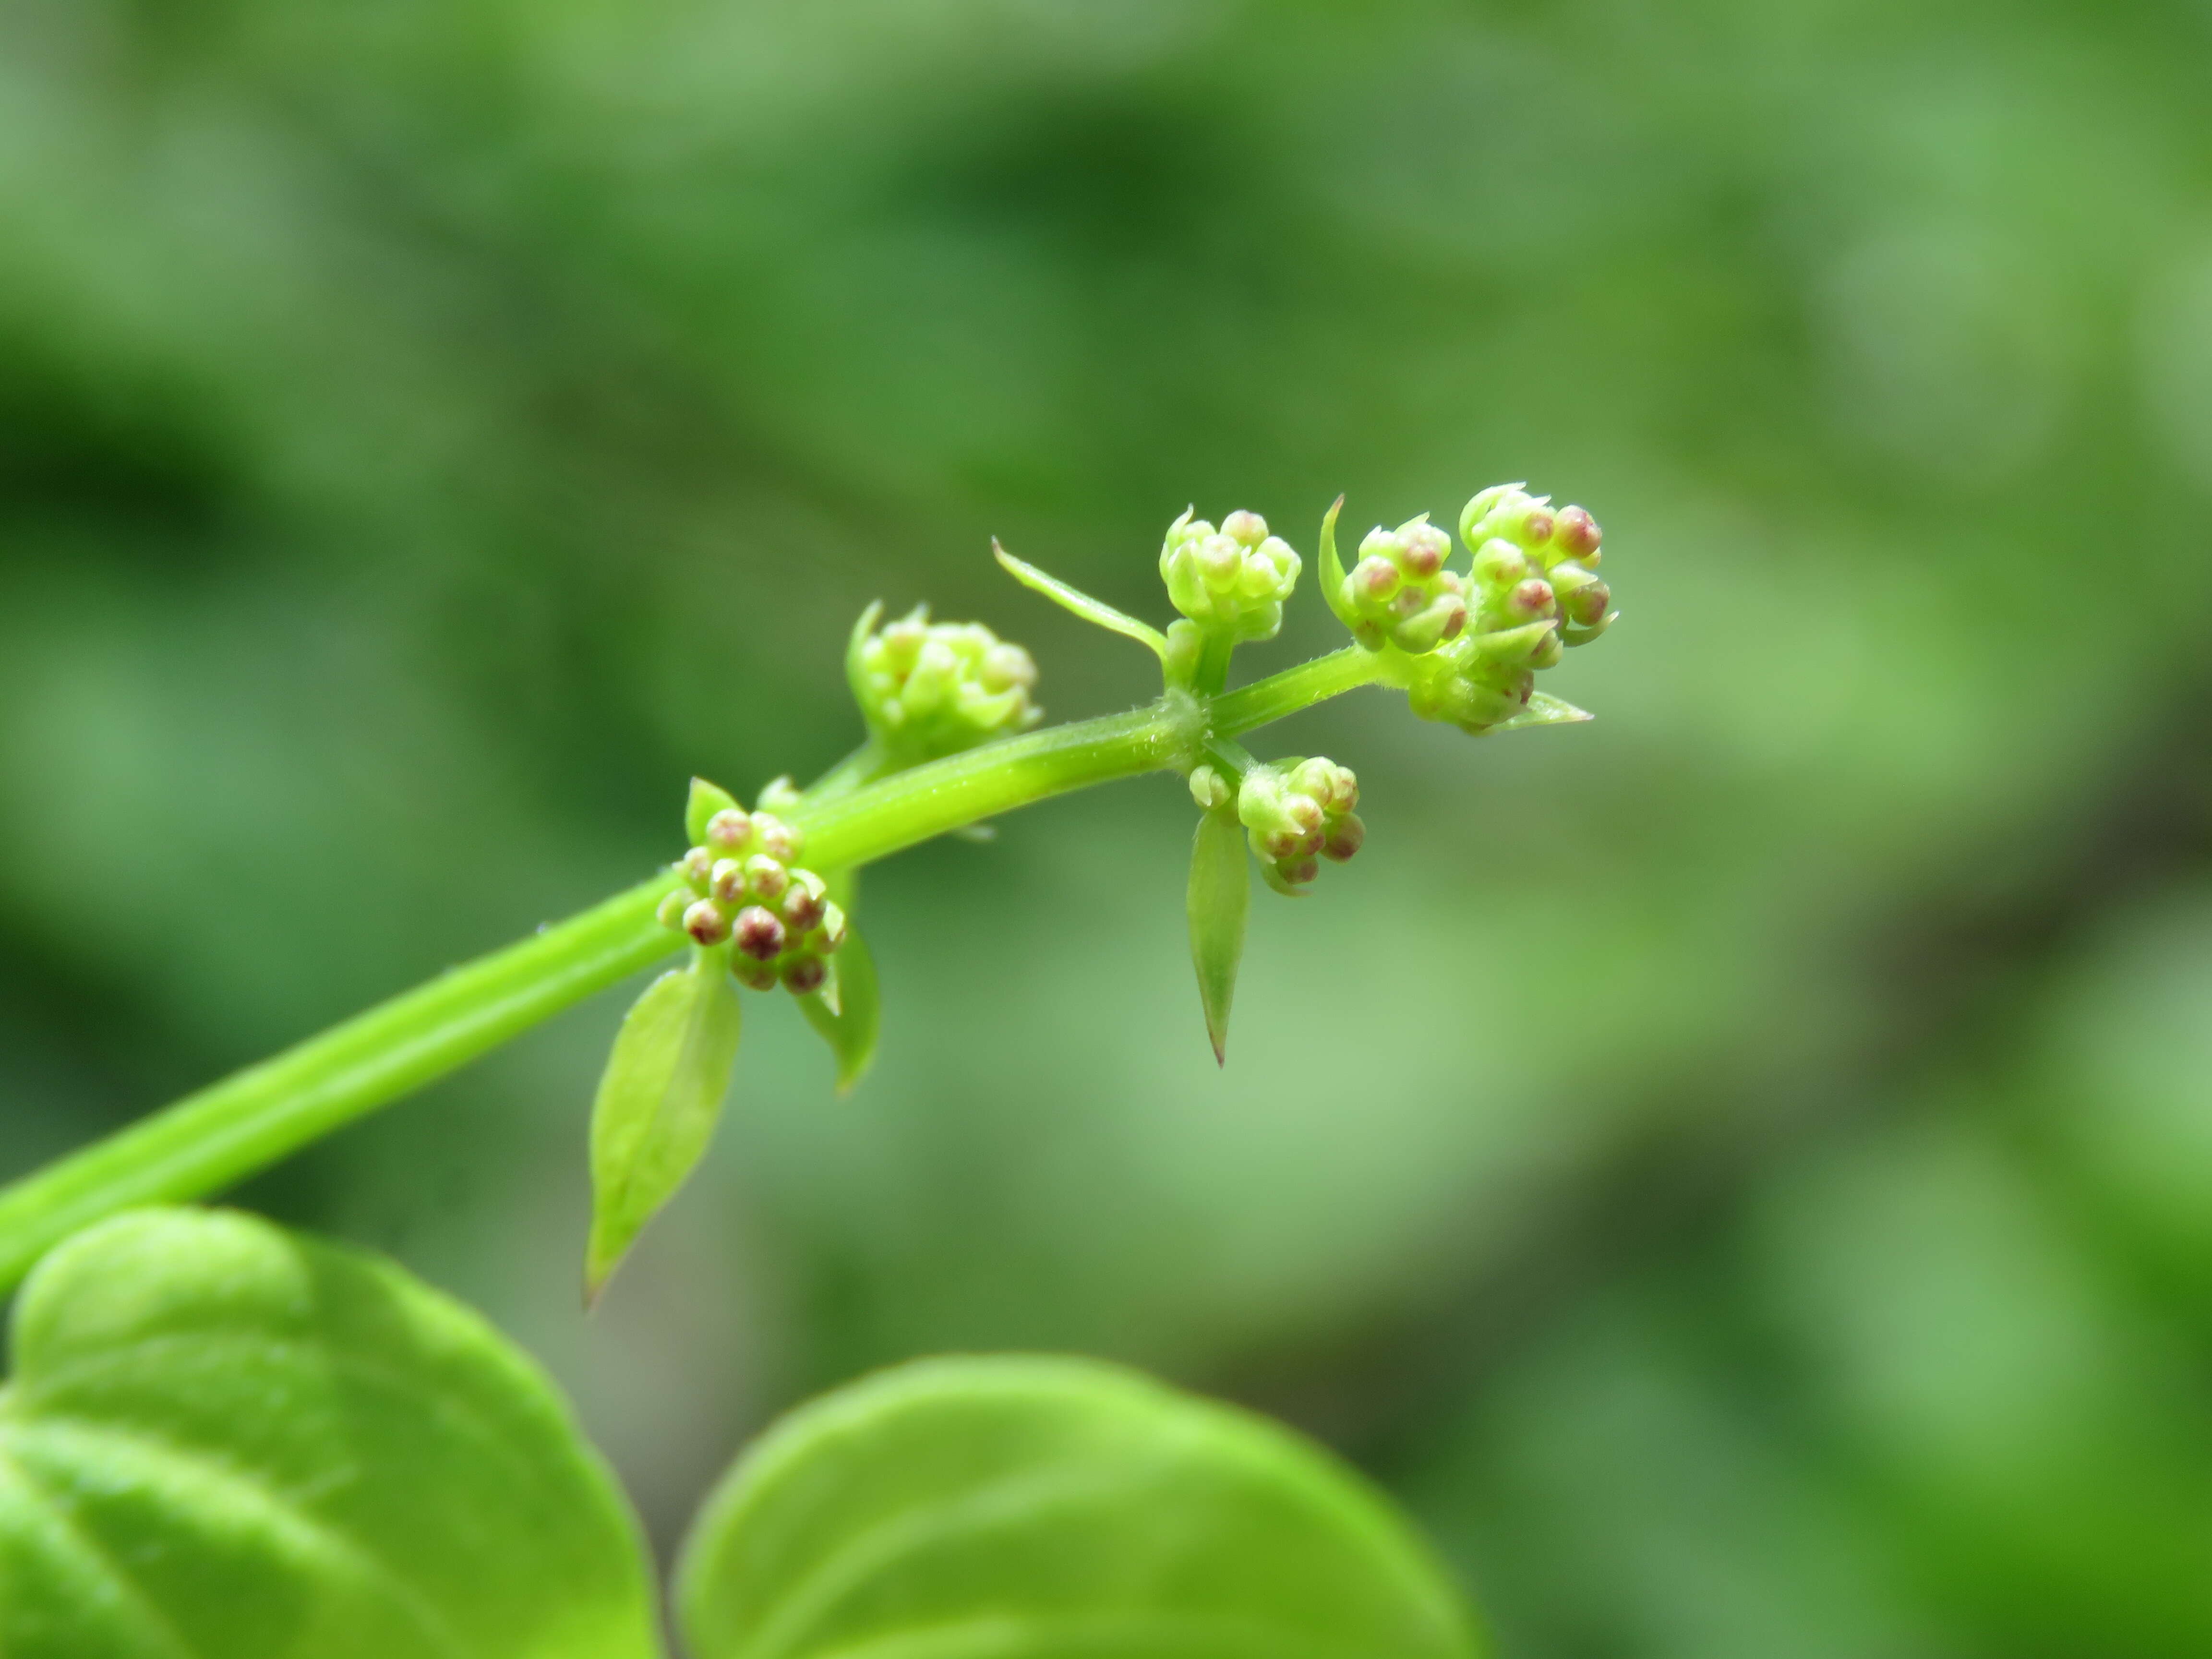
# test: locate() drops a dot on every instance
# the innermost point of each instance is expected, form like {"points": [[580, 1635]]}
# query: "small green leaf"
{"points": [[223, 1438], [657, 1104], [1220, 894], [1073, 598], [707, 799], [1332, 568], [1040, 1508], [1543, 709], [852, 1026]]}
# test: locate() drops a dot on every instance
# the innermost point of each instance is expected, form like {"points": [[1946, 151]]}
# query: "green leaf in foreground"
{"points": [[1220, 894], [1027, 1508], [221, 1439], [657, 1104]]}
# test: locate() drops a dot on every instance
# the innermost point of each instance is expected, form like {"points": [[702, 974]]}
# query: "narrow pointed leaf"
{"points": [[1220, 894], [707, 799], [1091, 610], [657, 1104], [1544, 710], [223, 1438], [856, 676], [1331, 567], [1019, 1507], [852, 1026]]}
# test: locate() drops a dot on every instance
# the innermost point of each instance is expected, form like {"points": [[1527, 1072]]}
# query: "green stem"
{"points": [[1264, 701], [220, 1134], [210, 1139]]}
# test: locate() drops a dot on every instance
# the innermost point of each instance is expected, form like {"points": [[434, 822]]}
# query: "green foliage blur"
{"points": [[1742, 1169]]}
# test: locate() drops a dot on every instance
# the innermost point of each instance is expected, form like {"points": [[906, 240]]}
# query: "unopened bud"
{"points": [[1346, 836], [752, 973], [778, 840], [1208, 788], [696, 867], [669, 911], [766, 877], [1244, 526], [759, 934], [934, 688], [729, 830], [727, 883], [1531, 598], [803, 975], [707, 922], [803, 909], [1577, 534]]}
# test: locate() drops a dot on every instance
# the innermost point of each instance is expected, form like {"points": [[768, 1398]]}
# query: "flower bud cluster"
{"points": [[1535, 561], [1232, 580], [742, 887], [1299, 813], [1533, 590], [931, 689], [1399, 591]]}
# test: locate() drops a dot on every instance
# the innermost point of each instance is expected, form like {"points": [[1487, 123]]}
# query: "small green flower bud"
{"points": [[696, 867], [727, 883], [757, 932], [707, 922], [1346, 836], [928, 689], [670, 913], [729, 830], [802, 976], [1400, 594], [1230, 581], [1584, 598], [778, 840], [752, 973], [1209, 788], [766, 877]]}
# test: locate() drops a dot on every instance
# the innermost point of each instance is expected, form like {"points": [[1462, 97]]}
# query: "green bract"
{"points": [[221, 1439], [658, 1102], [1052, 1509]]}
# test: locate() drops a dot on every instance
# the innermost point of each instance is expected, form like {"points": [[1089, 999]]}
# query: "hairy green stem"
{"points": [[855, 814]]}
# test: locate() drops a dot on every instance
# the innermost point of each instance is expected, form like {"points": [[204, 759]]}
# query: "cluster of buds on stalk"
{"points": [[1294, 813], [742, 887], [1532, 592], [930, 688], [1399, 591], [1231, 582]]}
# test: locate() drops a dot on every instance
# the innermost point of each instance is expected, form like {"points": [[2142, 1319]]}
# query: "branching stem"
{"points": [[858, 812]]}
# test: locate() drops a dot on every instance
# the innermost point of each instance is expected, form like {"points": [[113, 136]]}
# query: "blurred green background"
{"points": [[1742, 1170]]}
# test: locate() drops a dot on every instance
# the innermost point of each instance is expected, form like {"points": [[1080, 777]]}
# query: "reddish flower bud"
{"points": [[803, 975], [803, 909], [696, 866], [759, 934], [765, 877], [707, 922], [754, 975], [1346, 836], [729, 830], [1578, 534], [727, 883]]}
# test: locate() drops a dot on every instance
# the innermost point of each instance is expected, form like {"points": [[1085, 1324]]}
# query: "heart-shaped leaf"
{"points": [[1219, 895], [223, 1439], [1019, 1508], [658, 1102]]}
